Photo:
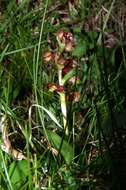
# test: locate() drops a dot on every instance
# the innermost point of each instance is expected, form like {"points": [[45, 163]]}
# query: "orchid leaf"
{"points": [[62, 146]]}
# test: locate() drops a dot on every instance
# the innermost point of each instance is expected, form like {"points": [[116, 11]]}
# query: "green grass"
{"points": [[59, 128]]}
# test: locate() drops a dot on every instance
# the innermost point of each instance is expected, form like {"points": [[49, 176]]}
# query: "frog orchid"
{"points": [[60, 57]]}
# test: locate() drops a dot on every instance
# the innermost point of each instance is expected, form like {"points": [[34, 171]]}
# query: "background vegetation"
{"points": [[62, 94]]}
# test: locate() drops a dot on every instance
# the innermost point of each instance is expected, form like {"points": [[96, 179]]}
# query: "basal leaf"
{"points": [[66, 149], [18, 171]]}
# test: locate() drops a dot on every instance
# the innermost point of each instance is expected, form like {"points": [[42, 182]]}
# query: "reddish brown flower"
{"points": [[66, 70], [60, 89], [49, 56], [69, 46], [52, 87], [67, 39], [61, 62], [74, 97], [70, 64], [55, 88], [61, 35]]}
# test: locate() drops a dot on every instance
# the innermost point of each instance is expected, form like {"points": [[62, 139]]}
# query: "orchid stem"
{"points": [[63, 103]]}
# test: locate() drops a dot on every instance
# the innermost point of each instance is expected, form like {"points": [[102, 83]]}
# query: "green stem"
{"points": [[63, 102]]}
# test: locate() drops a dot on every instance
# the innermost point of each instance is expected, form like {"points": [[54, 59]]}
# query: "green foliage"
{"points": [[80, 49], [62, 146], [68, 181], [37, 121], [18, 173]]}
